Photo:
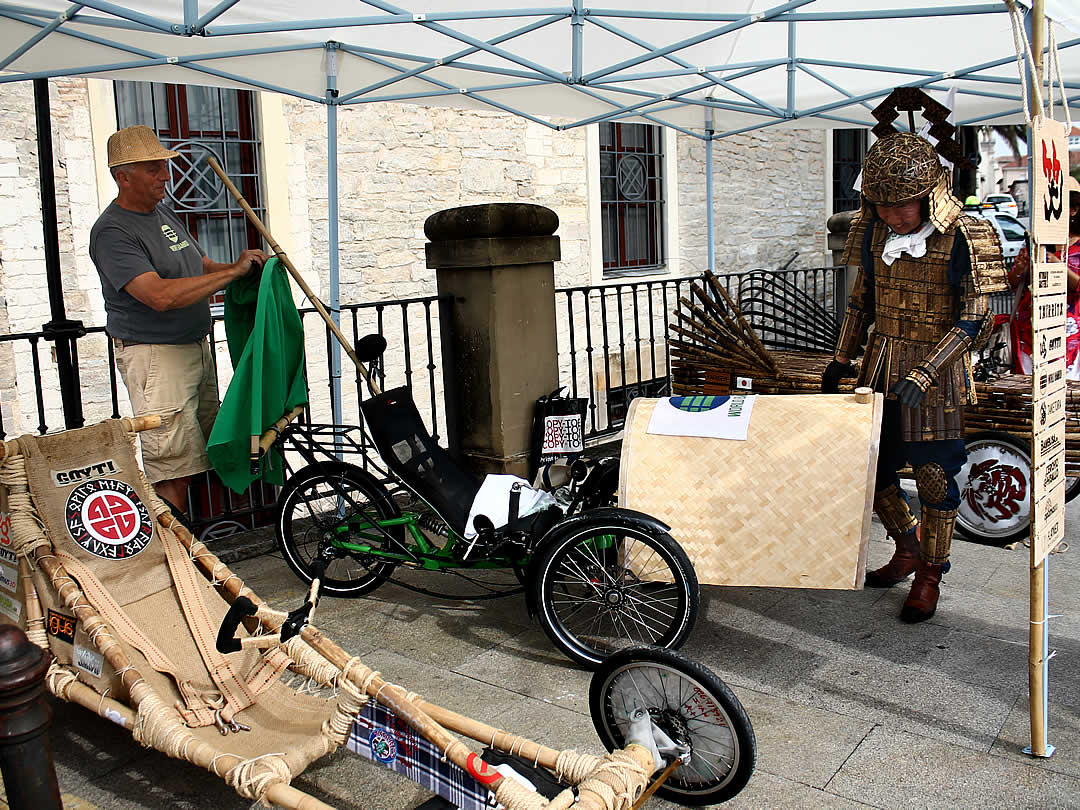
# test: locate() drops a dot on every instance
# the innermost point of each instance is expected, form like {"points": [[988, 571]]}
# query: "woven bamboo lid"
{"points": [[135, 145]]}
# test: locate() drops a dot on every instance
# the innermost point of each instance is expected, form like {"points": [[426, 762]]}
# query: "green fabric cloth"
{"points": [[266, 344]]}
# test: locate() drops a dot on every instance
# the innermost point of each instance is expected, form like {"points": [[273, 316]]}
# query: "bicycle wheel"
{"points": [[690, 704], [1072, 487], [995, 487], [329, 501], [604, 587]]}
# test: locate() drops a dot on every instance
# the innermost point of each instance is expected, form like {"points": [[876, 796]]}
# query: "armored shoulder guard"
{"points": [[988, 274]]}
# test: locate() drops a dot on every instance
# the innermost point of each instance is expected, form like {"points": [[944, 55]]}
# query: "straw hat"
{"points": [[136, 144]]}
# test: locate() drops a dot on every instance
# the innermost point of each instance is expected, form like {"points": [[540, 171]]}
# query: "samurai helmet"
{"points": [[903, 167]]}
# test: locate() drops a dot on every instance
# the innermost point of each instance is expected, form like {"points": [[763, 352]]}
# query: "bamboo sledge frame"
{"points": [[611, 782]]}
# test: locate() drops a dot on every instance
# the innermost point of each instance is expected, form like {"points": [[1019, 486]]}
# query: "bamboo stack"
{"points": [[712, 344]]}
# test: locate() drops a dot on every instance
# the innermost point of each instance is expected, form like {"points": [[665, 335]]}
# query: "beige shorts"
{"points": [[177, 382]]}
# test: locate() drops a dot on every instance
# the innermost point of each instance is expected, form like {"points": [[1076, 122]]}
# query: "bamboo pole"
{"points": [[1037, 630], [429, 720], [280, 254]]}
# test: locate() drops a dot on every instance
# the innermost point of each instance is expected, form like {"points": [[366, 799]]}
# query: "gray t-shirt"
{"points": [[125, 244]]}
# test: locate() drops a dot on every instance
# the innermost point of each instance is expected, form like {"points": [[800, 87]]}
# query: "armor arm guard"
{"points": [[974, 315], [984, 251], [857, 319]]}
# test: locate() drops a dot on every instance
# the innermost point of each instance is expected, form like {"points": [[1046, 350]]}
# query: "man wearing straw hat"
{"points": [[925, 271], [157, 282]]}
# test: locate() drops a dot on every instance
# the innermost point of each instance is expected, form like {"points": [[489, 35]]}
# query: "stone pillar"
{"points": [[496, 262], [25, 757]]}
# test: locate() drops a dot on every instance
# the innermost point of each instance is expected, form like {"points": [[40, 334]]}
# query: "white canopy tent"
{"points": [[708, 68], [746, 63]]}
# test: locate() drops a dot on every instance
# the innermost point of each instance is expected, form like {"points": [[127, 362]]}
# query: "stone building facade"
{"points": [[397, 165]]}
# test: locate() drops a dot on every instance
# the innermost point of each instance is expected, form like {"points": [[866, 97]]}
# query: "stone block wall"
{"points": [[398, 164], [769, 194]]}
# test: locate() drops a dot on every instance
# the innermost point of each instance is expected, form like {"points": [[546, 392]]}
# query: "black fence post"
{"points": [[60, 330], [25, 757]]}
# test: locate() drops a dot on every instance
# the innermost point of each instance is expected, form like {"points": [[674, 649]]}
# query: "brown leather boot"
{"points": [[905, 560], [922, 601]]}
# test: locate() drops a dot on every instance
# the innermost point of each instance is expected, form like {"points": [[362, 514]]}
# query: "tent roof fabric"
{"points": [[746, 63]]}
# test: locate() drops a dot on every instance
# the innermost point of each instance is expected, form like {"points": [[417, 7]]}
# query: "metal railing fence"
{"points": [[412, 359]]}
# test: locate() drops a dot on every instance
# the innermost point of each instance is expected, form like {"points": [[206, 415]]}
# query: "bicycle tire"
{"points": [[692, 705], [302, 525], [592, 603]]}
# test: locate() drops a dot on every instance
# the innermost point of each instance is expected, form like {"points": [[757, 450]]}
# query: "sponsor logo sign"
{"points": [[107, 519], [1049, 345], [1047, 377], [65, 478], [9, 607], [1048, 311], [1049, 474], [744, 383], [9, 578], [1049, 278], [1048, 443], [89, 660], [1048, 523], [1050, 409], [61, 626], [1050, 158], [383, 746]]}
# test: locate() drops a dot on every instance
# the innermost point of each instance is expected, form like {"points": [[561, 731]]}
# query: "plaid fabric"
{"points": [[379, 735]]}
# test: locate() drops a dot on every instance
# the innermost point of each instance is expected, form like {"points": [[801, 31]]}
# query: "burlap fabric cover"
{"points": [[87, 491], [788, 507]]}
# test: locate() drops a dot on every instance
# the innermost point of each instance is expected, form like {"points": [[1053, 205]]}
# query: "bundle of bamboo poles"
{"points": [[712, 345]]}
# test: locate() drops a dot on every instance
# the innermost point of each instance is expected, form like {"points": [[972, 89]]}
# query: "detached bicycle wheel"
{"points": [[995, 489], [604, 587], [326, 504], [692, 706]]}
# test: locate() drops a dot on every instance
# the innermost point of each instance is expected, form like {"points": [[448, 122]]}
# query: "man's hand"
{"points": [[249, 260], [834, 372], [908, 393]]}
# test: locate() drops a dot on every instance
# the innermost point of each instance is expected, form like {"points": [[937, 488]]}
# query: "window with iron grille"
{"points": [[631, 197], [849, 149], [199, 122]]}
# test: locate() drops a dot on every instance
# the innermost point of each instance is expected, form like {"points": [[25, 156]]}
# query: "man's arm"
{"points": [[162, 294]]}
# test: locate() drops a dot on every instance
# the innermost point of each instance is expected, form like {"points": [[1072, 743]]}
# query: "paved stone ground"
{"points": [[851, 707]]}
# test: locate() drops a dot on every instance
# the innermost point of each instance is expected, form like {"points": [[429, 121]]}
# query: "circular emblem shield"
{"points": [[383, 746], [107, 519]]}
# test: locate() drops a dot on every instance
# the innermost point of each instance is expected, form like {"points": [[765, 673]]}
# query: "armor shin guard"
{"points": [[892, 508], [936, 535]]}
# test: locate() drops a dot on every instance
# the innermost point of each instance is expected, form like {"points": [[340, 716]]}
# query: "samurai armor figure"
{"points": [[927, 304]]}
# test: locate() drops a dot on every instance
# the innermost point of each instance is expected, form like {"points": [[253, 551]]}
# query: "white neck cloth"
{"points": [[913, 244]]}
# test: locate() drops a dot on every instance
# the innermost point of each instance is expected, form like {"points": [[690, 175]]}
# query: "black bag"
{"points": [[558, 430]]}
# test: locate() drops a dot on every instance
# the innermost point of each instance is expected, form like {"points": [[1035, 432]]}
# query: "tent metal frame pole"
{"points": [[395, 17], [748, 19], [710, 211], [40, 35], [671, 57], [332, 225], [790, 70], [577, 31], [452, 59]]}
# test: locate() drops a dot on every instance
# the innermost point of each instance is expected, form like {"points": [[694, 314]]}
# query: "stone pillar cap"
{"points": [[491, 220]]}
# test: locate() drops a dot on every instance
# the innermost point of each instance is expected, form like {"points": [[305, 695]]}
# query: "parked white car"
{"points": [[1004, 203], [1010, 230]]}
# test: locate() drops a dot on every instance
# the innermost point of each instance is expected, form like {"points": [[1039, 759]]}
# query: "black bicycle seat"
{"points": [[370, 347]]}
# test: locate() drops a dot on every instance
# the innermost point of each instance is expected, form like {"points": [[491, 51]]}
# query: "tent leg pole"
{"points": [[710, 213]]}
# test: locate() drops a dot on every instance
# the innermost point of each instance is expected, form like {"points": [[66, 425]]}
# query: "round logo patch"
{"points": [[383, 746], [697, 404], [107, 519]]}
